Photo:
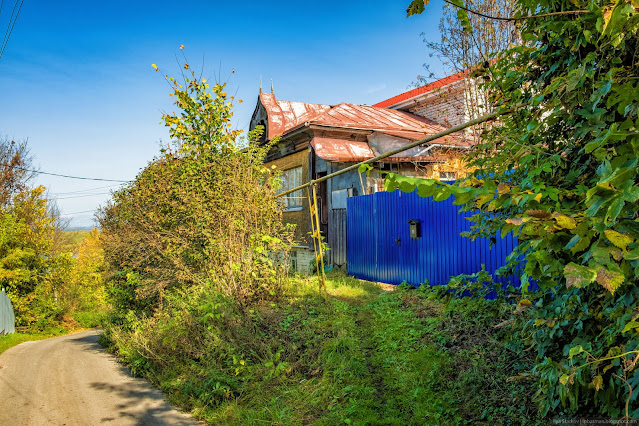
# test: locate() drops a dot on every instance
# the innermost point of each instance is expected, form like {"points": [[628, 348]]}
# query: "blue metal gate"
{"points": [[379, 246]]}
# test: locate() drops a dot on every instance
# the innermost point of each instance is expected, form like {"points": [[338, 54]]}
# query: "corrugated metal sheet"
{"points": [[337, 237], [349, 151], [286, 116], [283, 116], [7, 317], [379, 247], [343, 150], [402, 97]]}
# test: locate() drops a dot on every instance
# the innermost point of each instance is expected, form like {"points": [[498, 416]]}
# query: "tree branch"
{"points": [[517, 18]]}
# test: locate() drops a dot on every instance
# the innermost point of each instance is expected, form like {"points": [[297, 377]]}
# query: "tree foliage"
{"points": [[468, 44], [37, 267], [15, 163], [561, 173], [203, 213]]}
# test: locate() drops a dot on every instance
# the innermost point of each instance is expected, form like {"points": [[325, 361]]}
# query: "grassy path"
{"points": [[364, 354]]}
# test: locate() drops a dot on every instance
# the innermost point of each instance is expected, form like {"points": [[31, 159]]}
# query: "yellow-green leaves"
{"points": [[609, 279], [578, 276], [632, 325], [576, 350], [618, 239], [564, 221], [416, 7], [597, 382], [462, 16]]}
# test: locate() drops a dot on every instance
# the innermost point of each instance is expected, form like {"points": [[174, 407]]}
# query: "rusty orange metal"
{"points": [[341, 150], [422, 90], [285, 117]]}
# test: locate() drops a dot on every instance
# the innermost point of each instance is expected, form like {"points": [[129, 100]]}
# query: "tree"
{"points": [[15, 165], [203, 213], [460, 50], [559, 169], [469, 52], [26, 257]]}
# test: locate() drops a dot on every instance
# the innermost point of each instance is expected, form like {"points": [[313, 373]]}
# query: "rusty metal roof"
{"points": [[402, 97], [351, 116], [342, 150], [286, 116], [348, 151]]}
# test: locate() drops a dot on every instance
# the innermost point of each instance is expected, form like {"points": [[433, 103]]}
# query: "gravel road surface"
{"points": [[69, 380]]}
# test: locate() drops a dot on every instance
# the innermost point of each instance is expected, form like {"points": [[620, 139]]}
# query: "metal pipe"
{"points": [[457, 128], [438, 145]]}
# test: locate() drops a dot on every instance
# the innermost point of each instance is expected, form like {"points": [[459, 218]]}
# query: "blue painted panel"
{"points": [[379, 247]]}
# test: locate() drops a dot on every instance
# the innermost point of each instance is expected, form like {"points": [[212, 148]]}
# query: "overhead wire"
{"points": [[86, 211], [81, 191], [80, 196], [12, 24], [67, 176]]}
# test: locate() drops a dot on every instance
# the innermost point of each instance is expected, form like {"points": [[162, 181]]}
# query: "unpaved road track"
{"points": [[69, 380]]}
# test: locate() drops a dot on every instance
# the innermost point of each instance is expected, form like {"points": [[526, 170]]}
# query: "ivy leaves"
{"points": [[562, 173]]}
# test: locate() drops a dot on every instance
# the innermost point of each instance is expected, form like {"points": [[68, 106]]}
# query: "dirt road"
{"points": [[69, 380]]}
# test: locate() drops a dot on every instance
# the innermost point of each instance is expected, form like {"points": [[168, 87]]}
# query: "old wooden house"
{"points": [[316, 140]]}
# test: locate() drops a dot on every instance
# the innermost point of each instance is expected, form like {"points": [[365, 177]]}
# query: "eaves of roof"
{"points": [[420, 91]]}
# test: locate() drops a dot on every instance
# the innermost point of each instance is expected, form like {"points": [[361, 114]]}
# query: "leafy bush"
{"points": [[559, 169], [201, 214]]}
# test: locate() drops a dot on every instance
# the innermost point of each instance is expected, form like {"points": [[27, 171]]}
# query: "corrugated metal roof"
{"points": [[347, 151], [341, 150], [420, 90], [286, 115], [346, 115]]}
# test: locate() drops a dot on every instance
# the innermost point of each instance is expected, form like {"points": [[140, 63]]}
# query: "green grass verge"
{"points": [[14, 339], [358, 355]]}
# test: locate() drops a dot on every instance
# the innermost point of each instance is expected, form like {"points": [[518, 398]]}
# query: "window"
{"points": [[447, 175], [290, 179]]}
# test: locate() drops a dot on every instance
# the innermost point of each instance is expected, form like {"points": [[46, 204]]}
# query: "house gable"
{"points": [[443, 101]]}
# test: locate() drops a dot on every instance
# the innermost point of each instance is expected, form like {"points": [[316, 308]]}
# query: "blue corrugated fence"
{"points": [[379, 246]]}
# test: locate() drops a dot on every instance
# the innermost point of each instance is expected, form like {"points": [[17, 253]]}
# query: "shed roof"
{"points": [[348, 151]]}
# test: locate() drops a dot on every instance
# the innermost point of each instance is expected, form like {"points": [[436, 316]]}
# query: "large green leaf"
{"points": [[578, 276]]}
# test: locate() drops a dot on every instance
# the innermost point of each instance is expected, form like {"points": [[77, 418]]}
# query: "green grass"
{"points": [[14, 339], [360, 354]]}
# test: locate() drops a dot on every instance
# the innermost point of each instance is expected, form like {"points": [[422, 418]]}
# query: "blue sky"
{"points": [[76, 77]]}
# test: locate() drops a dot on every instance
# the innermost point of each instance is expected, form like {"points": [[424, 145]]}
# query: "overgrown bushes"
{"points": [[46, 281], [201, 214], [559, 169]]}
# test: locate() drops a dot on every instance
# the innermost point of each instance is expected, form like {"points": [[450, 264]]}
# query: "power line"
{"points": [[80, 196], [86, 211], [81, 191], [11, 26], [68, 176]]}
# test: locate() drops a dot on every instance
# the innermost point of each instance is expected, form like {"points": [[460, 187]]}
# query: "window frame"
{"points": [[294, 203]]}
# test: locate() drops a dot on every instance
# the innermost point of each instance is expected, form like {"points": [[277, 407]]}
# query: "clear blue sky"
{"points": [[76, 77]]}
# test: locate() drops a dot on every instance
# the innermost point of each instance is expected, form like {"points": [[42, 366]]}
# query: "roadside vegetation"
{"points": [[204, 308], [53, 278], [193, 256], [559, 168], [360, 354]]}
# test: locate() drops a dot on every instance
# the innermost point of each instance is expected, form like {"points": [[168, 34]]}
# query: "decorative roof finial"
{"points": [[260, 84], [272, 87]]}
